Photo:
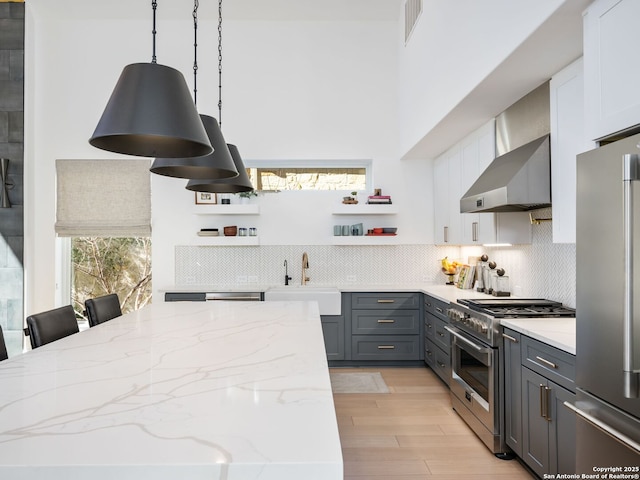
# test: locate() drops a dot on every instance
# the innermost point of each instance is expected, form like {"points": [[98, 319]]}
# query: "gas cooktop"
{"points": [[518, 307]]}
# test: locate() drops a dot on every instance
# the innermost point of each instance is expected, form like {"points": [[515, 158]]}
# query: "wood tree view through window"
{"points": [[293, 178], [102, 265]]}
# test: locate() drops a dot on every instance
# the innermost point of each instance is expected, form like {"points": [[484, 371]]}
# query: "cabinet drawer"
{"points": [[430, 354], [441, 337], [429, 326], [435, 307], [385, 322], [550, 362], [440, 362], [396, 347], [387, 301]]}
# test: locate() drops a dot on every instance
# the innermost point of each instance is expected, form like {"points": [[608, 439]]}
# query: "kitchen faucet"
{"points": [[286, 274], [305, 265]]}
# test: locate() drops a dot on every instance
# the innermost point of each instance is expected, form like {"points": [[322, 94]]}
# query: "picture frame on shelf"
{"points": [[206, 198]]}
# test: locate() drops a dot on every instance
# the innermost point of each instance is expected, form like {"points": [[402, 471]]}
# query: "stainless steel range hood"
{"points": [[519, 179]]}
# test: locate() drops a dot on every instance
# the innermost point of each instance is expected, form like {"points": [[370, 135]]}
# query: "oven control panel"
{"points": [[473, 322]]}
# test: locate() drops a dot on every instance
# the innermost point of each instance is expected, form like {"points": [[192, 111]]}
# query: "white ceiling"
{"points": [[356, 10]]}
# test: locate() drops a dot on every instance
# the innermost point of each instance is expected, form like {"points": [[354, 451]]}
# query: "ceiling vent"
{"points": [[412, 11]]}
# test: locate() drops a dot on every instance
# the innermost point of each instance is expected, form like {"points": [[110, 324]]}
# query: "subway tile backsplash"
{"points": [[542, 269]]}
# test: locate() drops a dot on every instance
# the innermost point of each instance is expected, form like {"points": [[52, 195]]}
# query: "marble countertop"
{"points": [[557, 332], [197, 390]]}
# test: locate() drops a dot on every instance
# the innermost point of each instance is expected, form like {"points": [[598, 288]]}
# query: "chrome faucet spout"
{"points": [[305, 265]]}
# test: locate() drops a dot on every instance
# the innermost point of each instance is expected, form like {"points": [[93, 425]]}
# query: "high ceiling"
{"points": [[364, 10]]}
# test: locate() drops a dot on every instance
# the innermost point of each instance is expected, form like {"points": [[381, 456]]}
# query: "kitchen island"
{"points": [[202, 390]]}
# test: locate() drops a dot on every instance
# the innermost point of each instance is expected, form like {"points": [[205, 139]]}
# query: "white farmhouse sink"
{"points": [[328, 298]]}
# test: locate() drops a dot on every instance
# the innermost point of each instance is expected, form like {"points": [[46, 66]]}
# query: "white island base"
{"points": [[188, 391]]}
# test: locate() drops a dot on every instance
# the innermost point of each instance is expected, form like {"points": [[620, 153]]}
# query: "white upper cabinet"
{"points": [[568, 139], [446, 189], [478, 151], [454, 173], [612, 70]]}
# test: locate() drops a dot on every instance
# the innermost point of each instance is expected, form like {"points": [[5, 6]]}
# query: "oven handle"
{"points": [[477, 347]]}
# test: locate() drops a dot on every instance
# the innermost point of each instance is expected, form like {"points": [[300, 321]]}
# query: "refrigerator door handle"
{"points": [[631, 369], [607, 429]]}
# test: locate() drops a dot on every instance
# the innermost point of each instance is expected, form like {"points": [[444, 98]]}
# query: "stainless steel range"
{"points": [[477, 386]]}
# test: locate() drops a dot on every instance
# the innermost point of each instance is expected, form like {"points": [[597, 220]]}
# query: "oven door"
{"points": [[474, 373]]}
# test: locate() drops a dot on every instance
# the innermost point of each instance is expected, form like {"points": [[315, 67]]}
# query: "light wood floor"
{"points": [[412, 433]]}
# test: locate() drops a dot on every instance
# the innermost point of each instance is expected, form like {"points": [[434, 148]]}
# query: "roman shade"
{"points": [[103, 198]]}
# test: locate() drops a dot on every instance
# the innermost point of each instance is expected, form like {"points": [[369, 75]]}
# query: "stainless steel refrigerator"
{"points": [[608, 308]]}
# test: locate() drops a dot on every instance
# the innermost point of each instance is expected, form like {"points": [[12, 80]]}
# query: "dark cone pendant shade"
{"points": [[216, 165], [151, 114], [241, 183]]}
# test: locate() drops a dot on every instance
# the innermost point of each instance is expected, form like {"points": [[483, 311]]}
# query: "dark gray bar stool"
{"points": [[3, 347], [52, 325], [102, 309]]}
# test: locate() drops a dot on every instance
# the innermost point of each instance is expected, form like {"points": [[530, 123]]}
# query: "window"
{"points": [[103, 218], [276, 176], [102, 265]]}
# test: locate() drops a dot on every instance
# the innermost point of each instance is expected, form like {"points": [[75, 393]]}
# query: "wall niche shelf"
{"points": [[233, 209], [365, 209]]}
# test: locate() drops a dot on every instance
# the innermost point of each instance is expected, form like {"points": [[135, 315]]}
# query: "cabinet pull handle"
{"points": [[383, 300], [440, 364], [547, 362], [386, 321], [446, 234], [427, 304], [438, 309], [429, 325], [440, 333], [429, 352], [509, 337], [543, 403], [631, 376], [386, 347], [547, 395], [474, 231]]}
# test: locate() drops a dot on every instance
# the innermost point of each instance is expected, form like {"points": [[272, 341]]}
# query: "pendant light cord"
{"points": [[220, 63], [154, 6], [196, 4]]}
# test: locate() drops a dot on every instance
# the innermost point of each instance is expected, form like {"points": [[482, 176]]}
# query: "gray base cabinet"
{"points": [[513, 391], [538, 380], [333, 332], [384, 327], [437, 341]]}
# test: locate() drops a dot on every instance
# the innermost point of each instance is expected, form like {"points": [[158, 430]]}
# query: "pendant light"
{"points": [[241, 183], [238, 184], [216, 165], [151, 113]]}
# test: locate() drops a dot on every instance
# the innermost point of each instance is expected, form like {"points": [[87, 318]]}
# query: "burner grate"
{"points": [[512, 308]]}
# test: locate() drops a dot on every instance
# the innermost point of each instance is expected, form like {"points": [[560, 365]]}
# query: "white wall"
{"points": [[453, 48], [292, 90], [310, 90], [307, 91]]}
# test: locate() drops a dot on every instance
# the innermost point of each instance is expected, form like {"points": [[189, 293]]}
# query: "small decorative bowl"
{"points": [[389, 230], [377, 230], [230, 231]]}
